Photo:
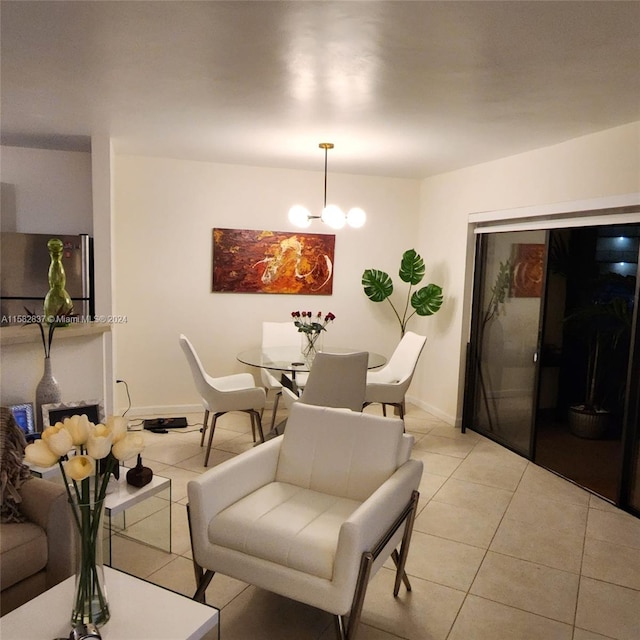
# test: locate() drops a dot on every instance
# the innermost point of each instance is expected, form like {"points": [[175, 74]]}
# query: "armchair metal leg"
{"points": [[203, 578], [205, 424], [401, 576]]}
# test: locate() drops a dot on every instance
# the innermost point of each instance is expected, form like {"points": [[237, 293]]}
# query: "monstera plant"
{"points": [[378, 287]]}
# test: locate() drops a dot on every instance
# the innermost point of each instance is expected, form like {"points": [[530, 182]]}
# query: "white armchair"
{"points": [[310, 515]]}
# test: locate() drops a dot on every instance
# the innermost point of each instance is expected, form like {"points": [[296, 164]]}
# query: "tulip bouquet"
{"points": [[311, 327], [77, 445]]}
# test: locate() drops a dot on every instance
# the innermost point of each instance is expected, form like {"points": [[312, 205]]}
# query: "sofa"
{"points": [[37, 532]]}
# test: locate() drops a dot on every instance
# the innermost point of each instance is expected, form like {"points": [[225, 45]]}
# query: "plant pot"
{"points": [[586, 423]]}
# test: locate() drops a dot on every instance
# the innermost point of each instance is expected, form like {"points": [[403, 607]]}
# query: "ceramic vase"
{"points": [[47, 392]]}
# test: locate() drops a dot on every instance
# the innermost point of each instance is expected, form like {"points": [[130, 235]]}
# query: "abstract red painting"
{"points": [[250, 261]]}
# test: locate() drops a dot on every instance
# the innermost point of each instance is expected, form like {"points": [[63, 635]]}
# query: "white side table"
{"points": [[122, 496], [139, 611]]}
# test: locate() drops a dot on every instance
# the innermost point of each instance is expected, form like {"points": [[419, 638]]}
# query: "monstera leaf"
{"points": [[427, 300], [412, 267], [378, 287]]}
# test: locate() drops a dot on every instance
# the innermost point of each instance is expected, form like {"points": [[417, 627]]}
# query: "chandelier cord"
{"points": [[326, 149]]}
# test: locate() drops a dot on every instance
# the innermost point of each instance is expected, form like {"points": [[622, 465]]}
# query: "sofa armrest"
{"points": [[226, 483], [371, 520], [46, 504]]}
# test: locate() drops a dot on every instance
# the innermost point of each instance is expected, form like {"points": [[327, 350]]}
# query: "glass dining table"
{"points": [[290, 360]]}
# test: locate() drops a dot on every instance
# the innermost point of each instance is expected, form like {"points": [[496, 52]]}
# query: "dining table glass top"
{"points": [[290, 358]]}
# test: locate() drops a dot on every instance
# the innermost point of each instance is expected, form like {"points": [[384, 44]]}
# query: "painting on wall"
{"points": [[528, 266], [249, 261]]}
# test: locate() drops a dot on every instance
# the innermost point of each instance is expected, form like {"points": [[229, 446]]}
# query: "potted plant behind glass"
{"points": [[378, 286], [603, 323]]}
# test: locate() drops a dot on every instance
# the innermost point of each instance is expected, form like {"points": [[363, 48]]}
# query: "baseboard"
{"points": [[434, 411]]}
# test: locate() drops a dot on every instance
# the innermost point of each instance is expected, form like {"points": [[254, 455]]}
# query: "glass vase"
{"points": [[311, 344], [90, 602]]}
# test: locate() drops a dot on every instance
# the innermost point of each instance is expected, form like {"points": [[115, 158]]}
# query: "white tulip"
{"points": [[39, 454], [99, 442], [131, 445], [118, 424], [79, 467], [78, 427], [58, 439]]}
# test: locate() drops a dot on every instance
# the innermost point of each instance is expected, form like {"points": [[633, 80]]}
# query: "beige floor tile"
{"points": [[446, 562], [457, 448], [179, 479], [448, 431], [425, 613], [608, 609], [539, 481], [525, 585], [481, 619], [437, 464], [196, 463], [365, 632], [461, 524], [614, 526], [429, 486], [581, 634], [537, 509], [611, 562], [540, 544], [488, 473], [138, 559], [602, 505], [256, 614], [492, 453], [474, 496], [177, 575]]}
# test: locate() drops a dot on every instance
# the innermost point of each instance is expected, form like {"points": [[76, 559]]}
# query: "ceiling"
{"points": [[406, 89]]}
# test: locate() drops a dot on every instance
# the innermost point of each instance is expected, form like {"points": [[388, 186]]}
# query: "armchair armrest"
{"points": [[46, 504], [367, 524], [226, 483]]}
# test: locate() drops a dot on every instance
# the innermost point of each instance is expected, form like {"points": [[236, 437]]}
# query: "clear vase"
{"points": [[90, 602], [311, 344], [47, 392]]}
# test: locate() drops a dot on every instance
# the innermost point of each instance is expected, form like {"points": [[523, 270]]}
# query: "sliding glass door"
{"points": [[503, 354]]}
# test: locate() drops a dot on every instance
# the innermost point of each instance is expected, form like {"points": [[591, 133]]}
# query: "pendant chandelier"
{"points": [[331, 214]]}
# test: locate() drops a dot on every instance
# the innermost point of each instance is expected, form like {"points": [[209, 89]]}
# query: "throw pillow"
{"points": [[13, 472]]}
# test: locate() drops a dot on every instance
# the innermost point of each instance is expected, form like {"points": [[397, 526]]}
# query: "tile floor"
{"points": [[502, 549]]}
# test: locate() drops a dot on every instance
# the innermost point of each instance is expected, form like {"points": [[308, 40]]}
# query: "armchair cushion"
{"points": [[341, 453], [286, 524]]}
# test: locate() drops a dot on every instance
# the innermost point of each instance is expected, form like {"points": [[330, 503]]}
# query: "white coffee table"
{"points": [[139, 611]]}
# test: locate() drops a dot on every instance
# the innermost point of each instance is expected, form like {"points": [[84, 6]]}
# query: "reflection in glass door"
{"points": [[504, 342]]}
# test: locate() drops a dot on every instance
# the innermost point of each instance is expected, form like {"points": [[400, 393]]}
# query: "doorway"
{"points": [[550, 352]]}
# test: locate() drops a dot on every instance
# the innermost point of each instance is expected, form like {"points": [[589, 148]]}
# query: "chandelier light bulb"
{"points": [[333, 216], [299, 216], [356, 217]]}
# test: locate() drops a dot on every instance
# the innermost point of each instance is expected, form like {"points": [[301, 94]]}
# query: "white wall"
{"points": [[46, 191], [165, 211], [594, 166]]}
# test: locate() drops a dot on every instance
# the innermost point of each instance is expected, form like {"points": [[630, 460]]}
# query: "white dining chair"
{"points": [[335, 380], [236, 392], [389, 384], [279, 334]]}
